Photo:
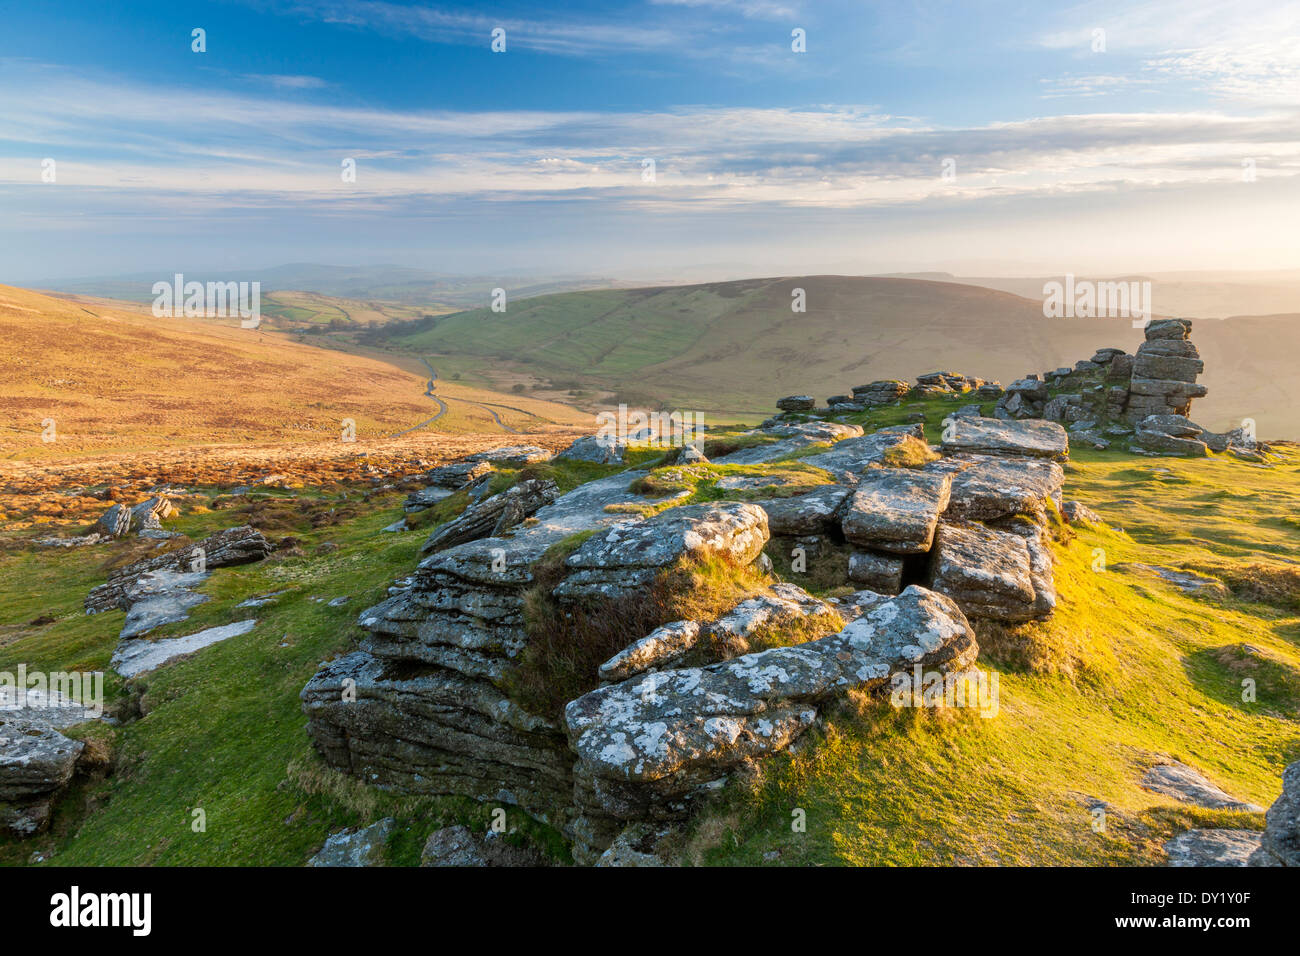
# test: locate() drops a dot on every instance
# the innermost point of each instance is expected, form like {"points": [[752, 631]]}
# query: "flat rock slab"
{"points": [[511, 455], [812, 513], [1189, 582], [52, 708], [850, 458], [896, 510], [986, 487], [1032, 438], [1188, 785], [791, 438], [759, 482], [659, 648], [694, 724], [364, 847], [628, 555], [426, 498], [133, 658], [161, 597], [1213, 847]]}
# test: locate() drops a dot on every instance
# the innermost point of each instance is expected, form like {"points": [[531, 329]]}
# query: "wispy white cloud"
{"points": [[288, 82], [1247, 51], [263, 151], [757, 9]]}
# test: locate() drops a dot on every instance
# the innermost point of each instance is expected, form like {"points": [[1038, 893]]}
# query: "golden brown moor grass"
{"points": [[117, 379]]}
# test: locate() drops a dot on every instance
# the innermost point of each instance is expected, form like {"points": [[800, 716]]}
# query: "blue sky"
{"points": [[998, 137]]}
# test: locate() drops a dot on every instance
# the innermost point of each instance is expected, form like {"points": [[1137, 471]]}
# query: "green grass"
{"points": [[1127, 670]]}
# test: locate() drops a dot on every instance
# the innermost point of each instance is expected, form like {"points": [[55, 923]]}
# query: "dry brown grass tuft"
{"points": [[568, 643]]}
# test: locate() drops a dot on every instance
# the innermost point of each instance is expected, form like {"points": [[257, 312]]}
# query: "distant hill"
{"points": [[392, 285], [121, 379], [732, 347], [1188, 295]]}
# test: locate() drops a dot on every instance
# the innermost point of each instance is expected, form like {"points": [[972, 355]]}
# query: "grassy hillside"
{"points": [[731, 347], [1128, 670], [119, 379]]}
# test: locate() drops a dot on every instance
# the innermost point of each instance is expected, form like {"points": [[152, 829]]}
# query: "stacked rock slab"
{"points": [[1112, 386], [881, 392], [1164, 372], [649, 746], [423, 707]]}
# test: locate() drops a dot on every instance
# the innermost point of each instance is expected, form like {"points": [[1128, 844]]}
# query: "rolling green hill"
{"points": [[729, 347]]}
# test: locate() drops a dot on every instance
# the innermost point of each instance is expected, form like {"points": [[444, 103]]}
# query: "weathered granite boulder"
{"points": [[595, 448], [1076, 512], [882, 573], [460, 846], [785, 605], [425, 498], [812, 513], [436, 731], [366, 846], [628, 555], [660, 648], [991, 573], [1213, 847], [458, 474], [881, 392], [493, 516], [233, 546], [797, 403], [511, 455], [985, 487], [849, 458], [648, 745], [1281, 840], [896, 510], [113, 523], [1170, 434], [36, 763], [121, 520], [229, 548], [991, 436]]}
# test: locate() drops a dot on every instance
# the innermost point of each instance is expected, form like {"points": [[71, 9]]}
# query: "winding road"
{"points": [[442, 407]]}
